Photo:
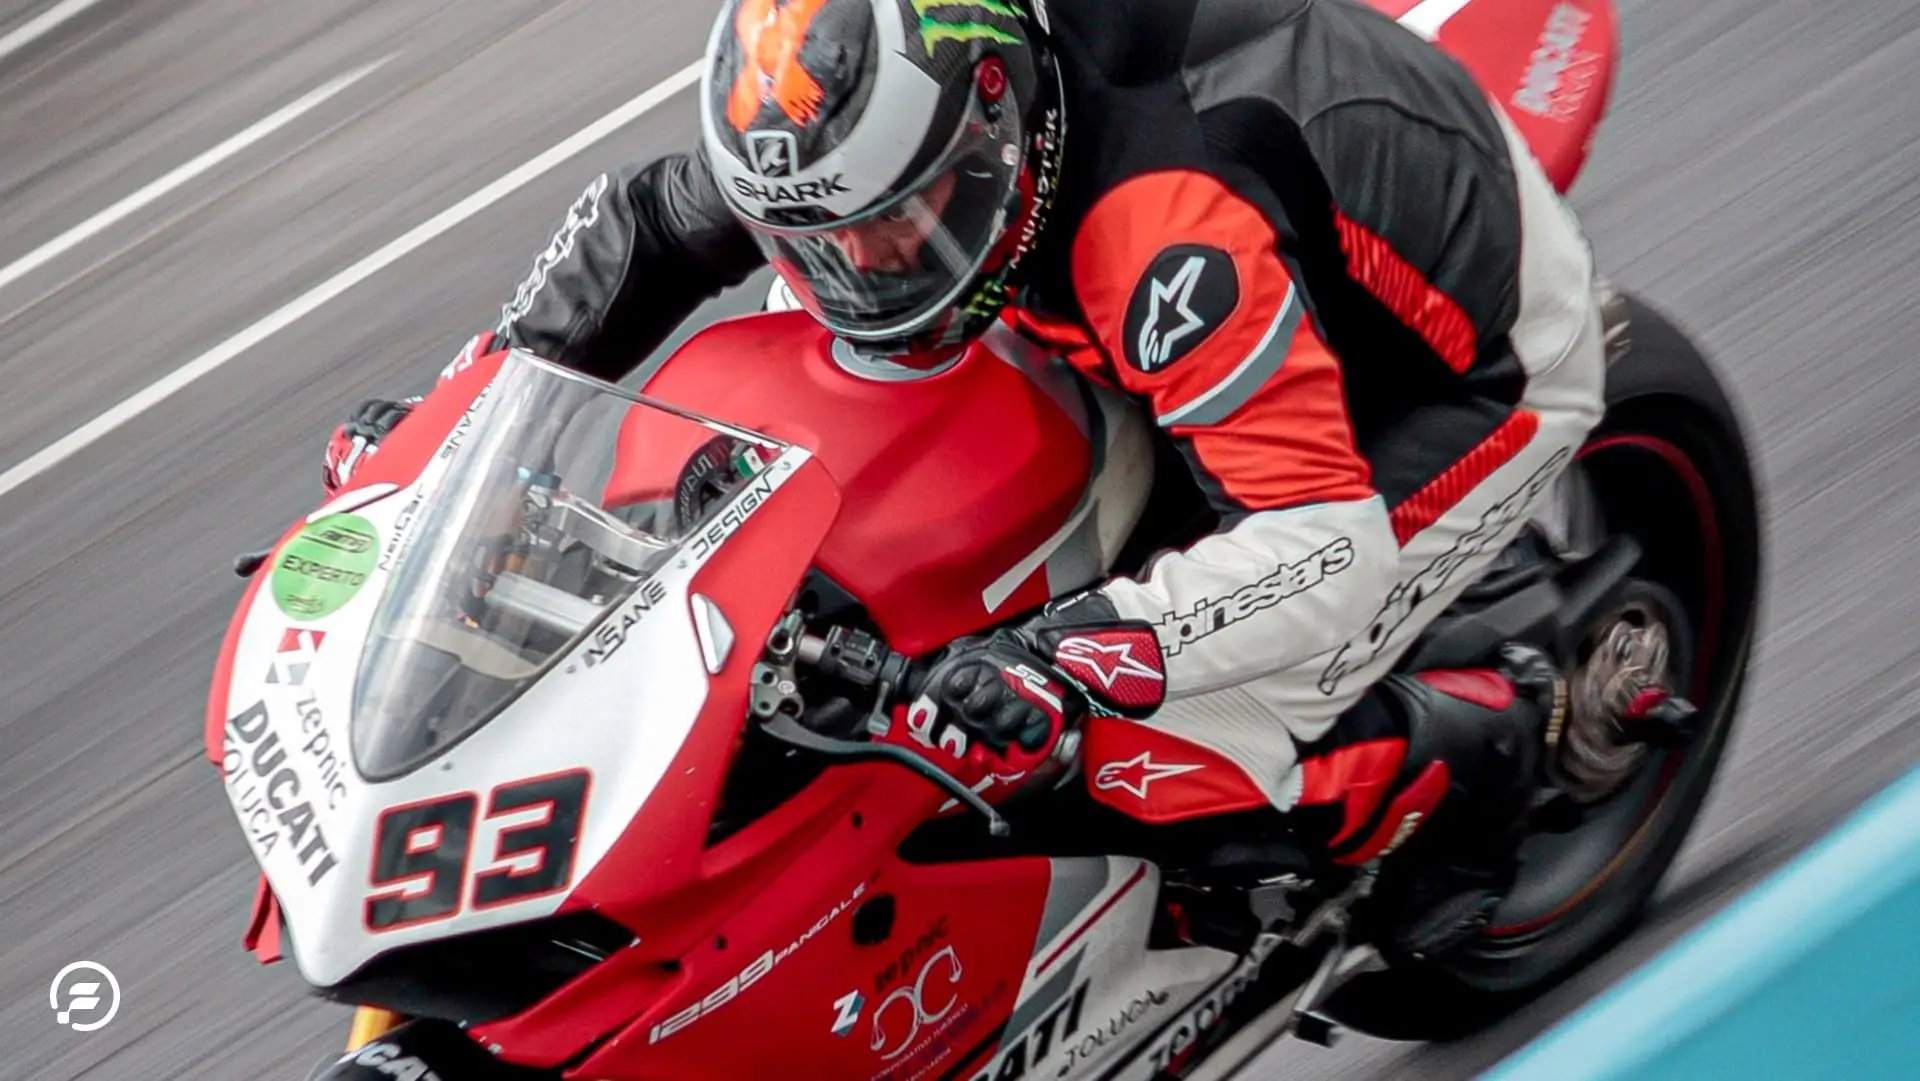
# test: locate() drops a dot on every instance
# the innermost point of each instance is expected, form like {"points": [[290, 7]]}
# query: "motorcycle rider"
{"points": [[1301, 236]]}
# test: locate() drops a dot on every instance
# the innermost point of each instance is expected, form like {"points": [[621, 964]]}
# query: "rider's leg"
{"points": [[1436, 771], [1463, 478]]}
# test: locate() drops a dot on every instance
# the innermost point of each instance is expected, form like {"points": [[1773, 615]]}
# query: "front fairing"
{"points": [[384, 811]]}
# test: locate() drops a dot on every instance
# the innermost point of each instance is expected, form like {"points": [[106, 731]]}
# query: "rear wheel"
{"points": [[1669, 467]]}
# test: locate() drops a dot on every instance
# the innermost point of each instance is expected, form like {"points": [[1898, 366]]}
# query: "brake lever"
{"points": [[787, 729]]}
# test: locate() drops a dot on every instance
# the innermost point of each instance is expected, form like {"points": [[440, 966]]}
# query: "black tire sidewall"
{"points": [[1662, 379]]}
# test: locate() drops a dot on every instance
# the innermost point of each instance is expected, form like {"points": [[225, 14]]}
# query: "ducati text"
{"points": [[268, 792], [387, 1059], [1056, 1028]]}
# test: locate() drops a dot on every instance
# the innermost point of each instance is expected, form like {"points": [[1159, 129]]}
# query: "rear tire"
{"points": [[1667, 413]]}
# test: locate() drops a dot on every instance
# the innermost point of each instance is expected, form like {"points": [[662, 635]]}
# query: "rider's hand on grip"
{"points": [[357, 439], [992, 713], [374, 419]]}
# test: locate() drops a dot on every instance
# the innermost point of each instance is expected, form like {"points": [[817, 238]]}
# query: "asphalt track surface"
{"points": [[1756, 179]]}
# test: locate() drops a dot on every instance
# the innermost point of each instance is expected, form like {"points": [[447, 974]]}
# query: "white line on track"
{"points": [[91, 432], [126, 207], [37, 27]]}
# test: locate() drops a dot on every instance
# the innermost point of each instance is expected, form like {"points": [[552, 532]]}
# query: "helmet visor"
{"points": [[905, 260]]}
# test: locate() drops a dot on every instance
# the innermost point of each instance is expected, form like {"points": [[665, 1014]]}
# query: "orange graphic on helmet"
{"points": [[773, 33]]}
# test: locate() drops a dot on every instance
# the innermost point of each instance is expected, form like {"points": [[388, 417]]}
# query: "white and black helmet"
{"points": [[894, 159]]}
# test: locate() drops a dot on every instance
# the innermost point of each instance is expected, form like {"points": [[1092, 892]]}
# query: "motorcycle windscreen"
{"points": [[513, 560]]}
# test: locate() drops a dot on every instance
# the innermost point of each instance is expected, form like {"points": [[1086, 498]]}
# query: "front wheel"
{"points": [[1669, 466]]}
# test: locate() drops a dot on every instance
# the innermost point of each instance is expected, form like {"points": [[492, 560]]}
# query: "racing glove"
{"points": [[359, 438], [1002, 712], [373, 420]]}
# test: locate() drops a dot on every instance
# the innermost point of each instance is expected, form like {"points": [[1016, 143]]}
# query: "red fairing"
{"points": [[402, 456], [263, 930], [1548, 63], [958, 477], [828, 1006], [660, 875], [1157, 777], [754, 936], [405, 452]]}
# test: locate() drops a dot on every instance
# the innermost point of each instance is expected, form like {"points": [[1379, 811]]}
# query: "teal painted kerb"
{"points": [[1813, 975]]}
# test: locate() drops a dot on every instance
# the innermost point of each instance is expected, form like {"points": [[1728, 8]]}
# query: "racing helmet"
{"points": [[895, 160]]}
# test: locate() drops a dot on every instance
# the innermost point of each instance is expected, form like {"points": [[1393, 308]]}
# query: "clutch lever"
{"points": [[788, 729], [247, 563]]}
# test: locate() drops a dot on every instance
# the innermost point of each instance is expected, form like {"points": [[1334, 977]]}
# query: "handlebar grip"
{"points": [[855, 656]]}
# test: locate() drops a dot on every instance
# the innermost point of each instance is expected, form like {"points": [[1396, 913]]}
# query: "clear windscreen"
{"points": [[565, 494]]}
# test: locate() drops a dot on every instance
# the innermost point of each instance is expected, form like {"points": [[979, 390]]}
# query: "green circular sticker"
{"points": [[322, 569]]}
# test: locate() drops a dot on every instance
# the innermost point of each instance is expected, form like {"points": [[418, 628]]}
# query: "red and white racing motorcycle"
{"points": [[524, 727]]}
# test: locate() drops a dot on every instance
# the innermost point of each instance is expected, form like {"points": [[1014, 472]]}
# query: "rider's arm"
{"points": [[1183, 282], [637, 253]]}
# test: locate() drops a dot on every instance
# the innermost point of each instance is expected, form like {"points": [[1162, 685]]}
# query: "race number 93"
{"points": [[423, 852]]}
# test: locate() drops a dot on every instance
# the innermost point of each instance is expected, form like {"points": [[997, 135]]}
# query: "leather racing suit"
{"points": [[1310, 244]]}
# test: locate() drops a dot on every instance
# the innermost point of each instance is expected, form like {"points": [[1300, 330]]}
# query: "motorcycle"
{"points": [[525, 851]]}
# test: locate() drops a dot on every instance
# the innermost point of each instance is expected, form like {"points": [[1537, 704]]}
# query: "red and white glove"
{"points": [[1002, 712], [373, 420], [359, 439]]}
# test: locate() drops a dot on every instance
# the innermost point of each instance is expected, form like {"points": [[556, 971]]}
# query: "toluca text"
{"points": [[268, 792]]}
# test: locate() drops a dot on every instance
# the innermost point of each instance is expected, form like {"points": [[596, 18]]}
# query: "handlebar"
{"points": [[865, 661], [853, 656]]}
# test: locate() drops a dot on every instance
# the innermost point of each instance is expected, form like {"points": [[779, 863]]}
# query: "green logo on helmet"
{"points": [[934, 28]]}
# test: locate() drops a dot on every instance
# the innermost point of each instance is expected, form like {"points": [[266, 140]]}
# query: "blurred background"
{"points": [[177, 179]]}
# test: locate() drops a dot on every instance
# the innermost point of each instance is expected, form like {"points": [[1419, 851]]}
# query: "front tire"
{"points": [[1670, 465]]}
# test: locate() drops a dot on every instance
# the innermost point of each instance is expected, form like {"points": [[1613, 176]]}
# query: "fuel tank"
{"points": [[970, 493]]}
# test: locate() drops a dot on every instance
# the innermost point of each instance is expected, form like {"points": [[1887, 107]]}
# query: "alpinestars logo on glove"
{"points": [[1123, 665]]}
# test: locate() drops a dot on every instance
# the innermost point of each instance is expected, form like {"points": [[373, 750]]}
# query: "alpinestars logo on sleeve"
{"points": [[1187, 295], [1170, 313]]}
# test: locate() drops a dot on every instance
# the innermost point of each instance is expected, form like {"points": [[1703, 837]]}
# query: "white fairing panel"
{"points": [[1091, 992], [1096, 1004], [312, 820]]}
